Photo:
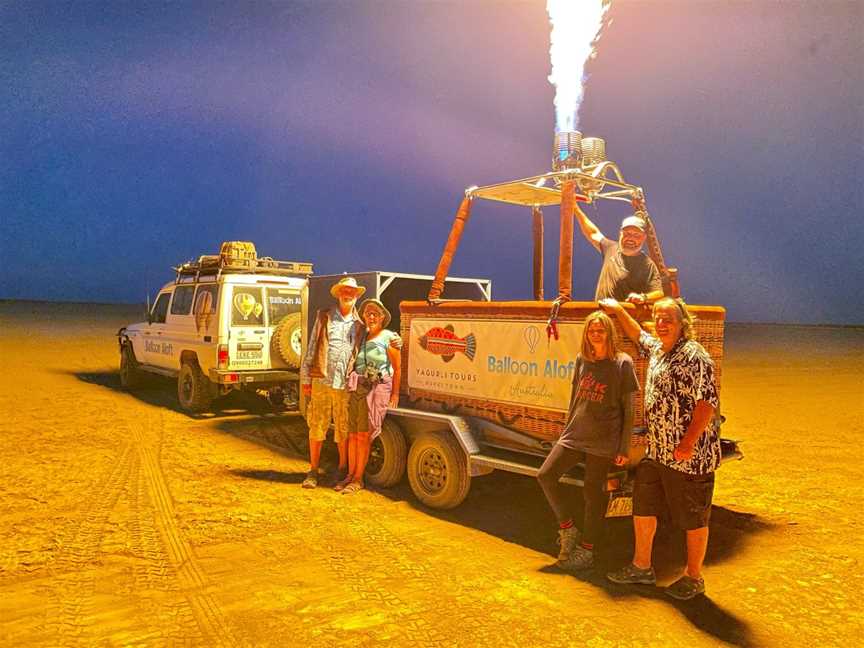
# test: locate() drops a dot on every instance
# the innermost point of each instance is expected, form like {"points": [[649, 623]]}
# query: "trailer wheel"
{"points": [[388, 456], [194, 390], [438, 470], [130, 374]]}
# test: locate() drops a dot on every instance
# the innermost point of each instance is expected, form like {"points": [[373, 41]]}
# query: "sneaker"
{"points": [[686, 587], [567, 539], [630, 575], [580, 559], [311, 480]]}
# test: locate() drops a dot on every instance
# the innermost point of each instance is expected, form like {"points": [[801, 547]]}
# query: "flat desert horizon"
{"points": [[125, 521]]}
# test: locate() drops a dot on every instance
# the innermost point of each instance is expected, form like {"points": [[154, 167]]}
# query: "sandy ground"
{"points": [[126, 522]]}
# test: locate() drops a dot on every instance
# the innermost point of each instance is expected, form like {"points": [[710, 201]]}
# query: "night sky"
{"points": [[136, 135]]}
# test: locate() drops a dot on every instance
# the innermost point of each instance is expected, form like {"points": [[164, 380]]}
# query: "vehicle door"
{"points": [[248, 342], [179, 332], [153, 332], [205, 316]]}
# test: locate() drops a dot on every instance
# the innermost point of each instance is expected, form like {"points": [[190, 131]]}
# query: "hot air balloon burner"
{"points": [[593, 153], [567, 151]]}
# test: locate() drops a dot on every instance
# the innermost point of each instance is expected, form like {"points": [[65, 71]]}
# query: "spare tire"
{"points": [[288, 339]]}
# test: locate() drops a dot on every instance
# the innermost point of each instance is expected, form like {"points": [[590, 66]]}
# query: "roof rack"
{"points": [[215, 264]]}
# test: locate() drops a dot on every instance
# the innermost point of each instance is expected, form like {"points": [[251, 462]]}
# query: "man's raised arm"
{"points": [[589, 230], [631, 326]]}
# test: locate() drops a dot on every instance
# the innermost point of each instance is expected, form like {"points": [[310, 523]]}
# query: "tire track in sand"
{"points": [[211, 620], [79, 551]]}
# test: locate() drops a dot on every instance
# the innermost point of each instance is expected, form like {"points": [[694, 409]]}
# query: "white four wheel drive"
{"points": [[227, 321]]}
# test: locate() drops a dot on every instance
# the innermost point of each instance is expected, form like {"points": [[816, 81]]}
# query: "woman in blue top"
{"points": [[597, 431], [376, 374]]}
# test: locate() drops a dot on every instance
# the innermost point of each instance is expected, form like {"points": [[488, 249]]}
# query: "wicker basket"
{"points": [[541, 424]]}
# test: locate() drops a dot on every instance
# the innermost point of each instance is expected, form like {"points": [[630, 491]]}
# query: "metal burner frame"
{"points": [[586, 184], [533, 192]]}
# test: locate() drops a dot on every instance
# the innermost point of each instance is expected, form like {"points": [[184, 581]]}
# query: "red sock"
{"points": [[566, 525], [588, 545]]}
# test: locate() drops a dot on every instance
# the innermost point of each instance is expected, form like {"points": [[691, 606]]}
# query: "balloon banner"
{"points": [[505, 361]]}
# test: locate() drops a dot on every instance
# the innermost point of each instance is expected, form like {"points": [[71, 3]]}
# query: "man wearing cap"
{"points": [[323, 373], [627, 273]]}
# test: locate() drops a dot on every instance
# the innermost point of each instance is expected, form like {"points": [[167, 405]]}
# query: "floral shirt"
{"points": [[675, 382]]}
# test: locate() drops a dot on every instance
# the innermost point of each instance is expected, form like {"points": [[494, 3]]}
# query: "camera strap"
{"points": [[366, 360]]}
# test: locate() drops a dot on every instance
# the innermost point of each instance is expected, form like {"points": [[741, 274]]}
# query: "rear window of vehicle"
{"points": [[182, 302], [281, 302], [206, 299], [247, 306]]}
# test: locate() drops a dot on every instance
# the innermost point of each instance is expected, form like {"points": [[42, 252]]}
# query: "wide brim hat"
{"points": [[376, 302], [347, 282]]}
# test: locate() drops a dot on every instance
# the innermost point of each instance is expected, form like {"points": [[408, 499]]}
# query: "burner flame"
{"points": [[576, 27]]}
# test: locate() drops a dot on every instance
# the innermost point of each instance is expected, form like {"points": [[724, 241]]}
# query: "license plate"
{"points": [[249, 355], [620, 506]]}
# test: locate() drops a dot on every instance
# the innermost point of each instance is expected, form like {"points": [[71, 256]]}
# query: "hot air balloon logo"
{"points": [[203, 310], [245, 304], [531, 336]]}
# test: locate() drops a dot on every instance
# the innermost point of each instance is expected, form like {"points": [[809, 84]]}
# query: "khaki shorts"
{"points": [[328, 404], [367, 406]]}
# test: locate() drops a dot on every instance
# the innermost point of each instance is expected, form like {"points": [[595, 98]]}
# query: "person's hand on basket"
{"points": [[637, 298], [610, 305]]}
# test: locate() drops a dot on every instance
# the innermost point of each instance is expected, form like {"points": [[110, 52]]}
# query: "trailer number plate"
{"points": [[249, 355], [620, 506]]}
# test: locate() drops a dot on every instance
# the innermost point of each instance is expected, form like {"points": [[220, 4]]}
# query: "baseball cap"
{"points": [[633, 221]]}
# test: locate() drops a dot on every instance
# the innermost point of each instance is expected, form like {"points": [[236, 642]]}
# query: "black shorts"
{"points": [[688, 497]]}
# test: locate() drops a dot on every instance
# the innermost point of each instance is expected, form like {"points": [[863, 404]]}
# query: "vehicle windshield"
{"points": [[281, 302]]}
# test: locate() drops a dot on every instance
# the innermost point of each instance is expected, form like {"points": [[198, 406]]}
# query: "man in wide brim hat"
{"points": [[324, 373], [347, 286]]}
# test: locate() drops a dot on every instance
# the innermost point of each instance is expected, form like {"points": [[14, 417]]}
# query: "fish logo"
{"points": [[444, 342]]}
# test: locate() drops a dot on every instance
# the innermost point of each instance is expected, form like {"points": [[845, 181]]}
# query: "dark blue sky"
{"points": [[135, 135]]}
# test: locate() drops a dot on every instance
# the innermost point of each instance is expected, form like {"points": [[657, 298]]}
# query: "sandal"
{"points": [[342, 484], [630, 574], [311, 480], [686, 587], [353, 487]]}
